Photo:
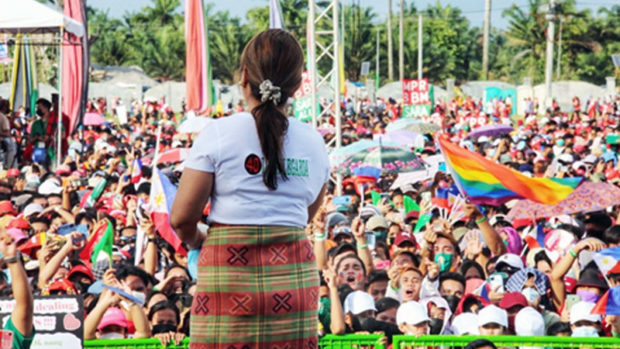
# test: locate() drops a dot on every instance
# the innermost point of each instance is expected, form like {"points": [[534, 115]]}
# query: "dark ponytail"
{"points": [[271, 125], [273, 55]]}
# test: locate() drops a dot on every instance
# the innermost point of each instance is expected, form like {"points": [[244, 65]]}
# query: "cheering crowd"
{"points": [[385, 266]]}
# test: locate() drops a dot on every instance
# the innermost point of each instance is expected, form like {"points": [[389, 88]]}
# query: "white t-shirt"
{"points": [[230, 149]]}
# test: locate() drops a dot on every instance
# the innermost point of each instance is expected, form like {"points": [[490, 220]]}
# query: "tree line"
{"points": [[153, 38]]}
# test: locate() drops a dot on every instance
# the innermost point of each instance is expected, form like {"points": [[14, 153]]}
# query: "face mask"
{"points": [[112, 335], [588, 296], [39, 112], [560, 143], [530, 294], [163, 328], [453, 302], [82, 287], [444, 260], [436, 325], [492, 152], [585, 331]]}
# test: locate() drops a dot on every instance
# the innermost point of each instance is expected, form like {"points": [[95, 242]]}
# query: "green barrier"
{"points": [[356, 341], [506, 341], [148, 343]]}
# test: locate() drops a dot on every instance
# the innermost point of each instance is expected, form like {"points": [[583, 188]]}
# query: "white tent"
{"points": [[30, 17]]}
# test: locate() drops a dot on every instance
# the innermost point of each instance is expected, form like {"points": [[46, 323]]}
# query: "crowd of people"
{"points": [[380, 271]]}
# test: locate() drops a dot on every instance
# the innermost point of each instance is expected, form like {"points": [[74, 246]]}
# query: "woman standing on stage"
{"points": [[265, 174]]}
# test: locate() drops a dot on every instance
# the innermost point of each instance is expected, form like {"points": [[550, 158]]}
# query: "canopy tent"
{"points": [[31, 17]]}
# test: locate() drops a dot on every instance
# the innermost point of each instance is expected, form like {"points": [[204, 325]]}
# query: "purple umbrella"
{"points": [[403, 137], [490, 131]]}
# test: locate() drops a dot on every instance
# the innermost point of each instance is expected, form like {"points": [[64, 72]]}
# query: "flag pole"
{"points": [[59, 121]]}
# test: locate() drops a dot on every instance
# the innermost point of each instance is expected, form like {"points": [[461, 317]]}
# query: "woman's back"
{"points": [[230, 148]]}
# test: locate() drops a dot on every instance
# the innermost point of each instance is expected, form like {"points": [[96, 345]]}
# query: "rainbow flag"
{"points": [[486, 182]]}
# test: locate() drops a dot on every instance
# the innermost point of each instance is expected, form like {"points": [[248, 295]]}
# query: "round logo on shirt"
{"points": [[253, 164]]}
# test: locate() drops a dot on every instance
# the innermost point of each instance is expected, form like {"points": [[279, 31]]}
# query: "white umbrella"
{"points": [[194, 125]]}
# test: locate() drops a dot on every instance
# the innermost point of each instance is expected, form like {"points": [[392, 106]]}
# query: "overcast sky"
{"points": [[473, 9]]}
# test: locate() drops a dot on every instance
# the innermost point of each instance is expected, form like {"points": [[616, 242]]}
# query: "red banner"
{"points": [[416, 92]]}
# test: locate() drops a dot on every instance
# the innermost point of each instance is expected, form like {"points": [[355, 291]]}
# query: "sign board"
{"points": [[58, 321], [121, 114], [495, 93], [302, 105], [365, 69], [4, 53], [302, 109], [417, 98], [614, 58]]}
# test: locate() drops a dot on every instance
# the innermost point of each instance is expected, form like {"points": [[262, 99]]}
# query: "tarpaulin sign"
{"points": [[417, 97], [58, 321], [302, 105]]}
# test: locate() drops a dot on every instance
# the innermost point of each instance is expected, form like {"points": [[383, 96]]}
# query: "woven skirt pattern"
{"points": [[257, 288]]}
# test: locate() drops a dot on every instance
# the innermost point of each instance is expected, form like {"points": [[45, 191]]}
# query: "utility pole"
{"points": [[420, 47], [558, 64], [549, 57], [401, 42], [390, 53], [377, 71], [485, 39]]}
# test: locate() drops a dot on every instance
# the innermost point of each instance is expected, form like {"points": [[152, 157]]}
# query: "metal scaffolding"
{"points": [[324, 46]]}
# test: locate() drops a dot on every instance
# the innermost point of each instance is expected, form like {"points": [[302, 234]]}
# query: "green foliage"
{"points": [[153, 38]]}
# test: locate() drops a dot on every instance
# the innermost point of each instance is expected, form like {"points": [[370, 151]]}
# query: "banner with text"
{"points": [[417, 98], [58, 321], [302, 105]]}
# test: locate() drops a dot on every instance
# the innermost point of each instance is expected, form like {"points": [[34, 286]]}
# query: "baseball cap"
{"points": [[50, 186], [465, 323], [81, 269], [510, 259], [19, 223], [63, 170], [12, 172], [112, 316], [32, 209], [582, 311], [511, 299], [492, 315], [62, 285], [342, 231], [498, 218], [6, 207], [404, 236], [411, 313], [335, 218], [17, 235], [593, 278], [529, 322], [358, 302], [376, 222]]}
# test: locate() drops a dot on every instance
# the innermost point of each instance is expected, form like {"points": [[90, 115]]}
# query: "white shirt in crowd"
{"points": [[230, 149]]}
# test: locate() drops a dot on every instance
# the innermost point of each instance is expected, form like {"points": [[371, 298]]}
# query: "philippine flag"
{"points": [[483, 291], [608, 258], [136, 172], [609, 304], [162, 197]]}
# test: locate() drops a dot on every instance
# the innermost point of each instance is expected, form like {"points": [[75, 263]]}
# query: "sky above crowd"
{"points": [[473, 9]]}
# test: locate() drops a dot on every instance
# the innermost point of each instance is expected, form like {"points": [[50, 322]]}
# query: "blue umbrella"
{"points": [[339, 155]]}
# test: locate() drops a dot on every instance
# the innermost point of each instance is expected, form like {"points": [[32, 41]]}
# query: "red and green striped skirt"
{"points": [[257, 288]]}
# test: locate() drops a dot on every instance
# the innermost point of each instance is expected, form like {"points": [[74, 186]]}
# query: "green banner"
{"points": [[302, 108]]}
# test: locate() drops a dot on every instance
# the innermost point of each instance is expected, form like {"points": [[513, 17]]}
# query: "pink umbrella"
{"points": [[173, 155], [588, 197], [93, 119]]}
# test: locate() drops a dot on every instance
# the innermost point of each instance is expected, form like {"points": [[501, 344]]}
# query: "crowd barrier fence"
{"points": [[372, 341]]}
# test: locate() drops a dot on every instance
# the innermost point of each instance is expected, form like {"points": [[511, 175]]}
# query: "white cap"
{"points": [[465, 323], [358, 302], [529, 322], [581, 311], [590, 159], [483, 139], [511, 259], [411, 313], [566, 158], [499, 217], [32, 208], [492, 315], [50, 186]]}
